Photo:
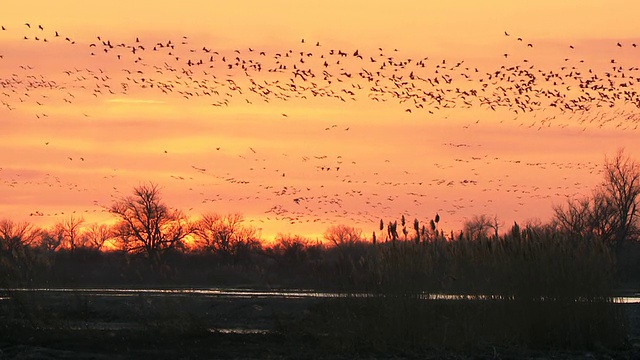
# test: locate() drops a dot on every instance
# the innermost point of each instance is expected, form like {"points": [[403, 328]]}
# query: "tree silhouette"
{"points": [[70, 230], [479, 225], [52, 239], [622, 187], [96, 235], [292, 250], [14, 237], [611, 212], [343, 235], [147, 225], [224, 234], [16, 258]]}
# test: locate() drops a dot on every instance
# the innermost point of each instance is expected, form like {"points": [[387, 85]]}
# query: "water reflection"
{"points": [[210, 292], [118, 326], [240, 331], [251, 293]]}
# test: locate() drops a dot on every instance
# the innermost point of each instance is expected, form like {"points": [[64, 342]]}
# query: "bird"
{"points": [[574, 92]]}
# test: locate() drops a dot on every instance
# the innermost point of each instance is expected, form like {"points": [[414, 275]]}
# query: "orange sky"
{"points": [[459, 161]]}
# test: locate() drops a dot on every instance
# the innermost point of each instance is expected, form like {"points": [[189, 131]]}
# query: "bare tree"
{"points": [[480, 225], [16, 260], [343, 235], [496, 225], [15, 236], [622, 187], [70, 230], [292, 249], [52, 239], [611, 212], [96, 235], [147, 225], [224, 234], [601, 218]]}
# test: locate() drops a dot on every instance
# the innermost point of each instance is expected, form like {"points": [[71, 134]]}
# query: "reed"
{"points": [[528, 265], [529, 289]]}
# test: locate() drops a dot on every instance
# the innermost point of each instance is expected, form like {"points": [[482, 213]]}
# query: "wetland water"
{"points": [[224, 310], [240, 293]]}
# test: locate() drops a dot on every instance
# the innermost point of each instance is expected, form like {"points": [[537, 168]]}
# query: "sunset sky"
{"points": [[248, 106]]}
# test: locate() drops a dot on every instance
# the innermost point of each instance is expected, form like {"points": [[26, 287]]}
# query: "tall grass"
{"points": [[526, 289], [527, 265]]}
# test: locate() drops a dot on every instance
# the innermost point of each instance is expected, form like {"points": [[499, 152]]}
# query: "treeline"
{"points": [[151, 242], [530, 260], [534, 260]]}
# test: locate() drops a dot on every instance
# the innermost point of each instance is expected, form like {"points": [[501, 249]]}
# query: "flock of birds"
{"points": [[576, 95]]}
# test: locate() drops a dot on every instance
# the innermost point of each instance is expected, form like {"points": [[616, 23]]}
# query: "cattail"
{"points": [[392, 230], [515, 230]]}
